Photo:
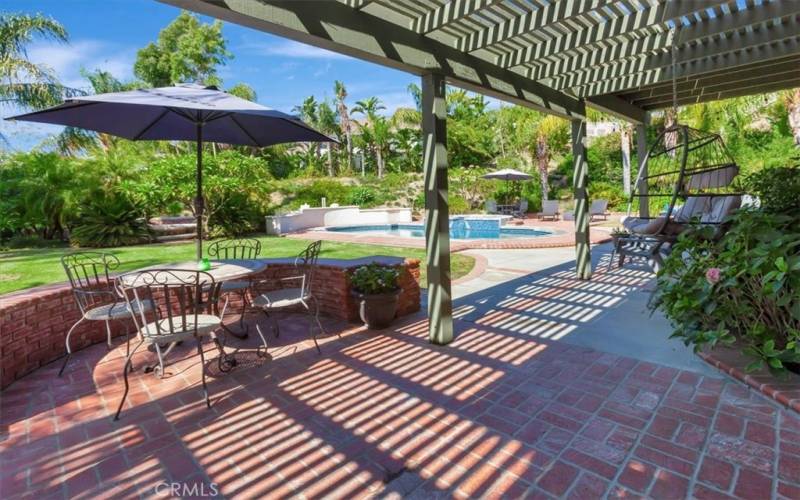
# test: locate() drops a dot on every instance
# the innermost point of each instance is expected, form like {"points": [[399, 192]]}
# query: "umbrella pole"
{"points": [[198, 201]]}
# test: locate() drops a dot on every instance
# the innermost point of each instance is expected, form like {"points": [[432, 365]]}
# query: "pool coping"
{"points": [[563, 236]]}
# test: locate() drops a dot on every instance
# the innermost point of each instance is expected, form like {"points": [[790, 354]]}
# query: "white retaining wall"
{"points": [[307, 218]]}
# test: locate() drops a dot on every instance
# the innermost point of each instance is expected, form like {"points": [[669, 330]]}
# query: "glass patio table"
{"points": [[220, 270]]}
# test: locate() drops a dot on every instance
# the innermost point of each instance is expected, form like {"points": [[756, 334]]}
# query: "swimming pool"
{"points": [[457, 231]]}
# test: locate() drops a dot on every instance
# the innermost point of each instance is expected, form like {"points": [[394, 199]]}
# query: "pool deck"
{"points": [[563, 236]]}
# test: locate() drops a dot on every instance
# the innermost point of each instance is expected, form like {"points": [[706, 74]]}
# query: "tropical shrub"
{"points": [[743, 288], [312, 192], [109, 220], [778, 189], [362, 196]]}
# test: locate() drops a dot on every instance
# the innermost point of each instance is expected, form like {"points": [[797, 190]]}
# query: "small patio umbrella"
{"points": [[508, 174], [181, 113]]}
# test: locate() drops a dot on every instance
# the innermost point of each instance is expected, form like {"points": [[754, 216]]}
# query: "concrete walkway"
{"points": [[609, 313]]}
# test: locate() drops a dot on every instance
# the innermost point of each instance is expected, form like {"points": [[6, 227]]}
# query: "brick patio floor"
{"points": [[500, 412]]}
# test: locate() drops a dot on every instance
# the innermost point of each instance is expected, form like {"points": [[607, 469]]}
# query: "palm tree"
{"points": [[369, 108], [344, 118], [309, 113], [549, 134], [23, 83], [381, 136], [327, 124]]}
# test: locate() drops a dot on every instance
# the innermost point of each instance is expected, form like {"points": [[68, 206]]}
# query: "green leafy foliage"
{"points": [[186, 51], [362, 196], [741, 288], [109, 220], [778, 188], [374, 279]]}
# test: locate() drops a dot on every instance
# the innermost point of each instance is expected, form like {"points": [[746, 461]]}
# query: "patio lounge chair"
{"points": [[491, 207], [549, 209], [94, 292], [521, 210], [241, 248], [181, 313], [299, 294], [598, 208]]}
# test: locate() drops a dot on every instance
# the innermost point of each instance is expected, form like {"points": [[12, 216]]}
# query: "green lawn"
{"points": [[25, 268]]}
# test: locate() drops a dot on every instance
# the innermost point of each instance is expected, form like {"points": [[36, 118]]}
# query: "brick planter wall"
{"points": [[34, 323]]}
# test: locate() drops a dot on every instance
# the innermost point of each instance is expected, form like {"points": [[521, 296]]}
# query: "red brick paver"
{"points": [[497, 413]]}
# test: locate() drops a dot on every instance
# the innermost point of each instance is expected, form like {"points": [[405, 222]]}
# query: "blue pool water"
{"points": [[457, 231]]}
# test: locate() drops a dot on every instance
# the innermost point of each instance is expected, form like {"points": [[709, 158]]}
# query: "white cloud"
{"points": [[290, 48], [67, 60]]}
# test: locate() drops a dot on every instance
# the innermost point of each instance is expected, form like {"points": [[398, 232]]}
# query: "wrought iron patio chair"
{"points": [[180, 299], [238, 248], [89, 275], [271, 301]]}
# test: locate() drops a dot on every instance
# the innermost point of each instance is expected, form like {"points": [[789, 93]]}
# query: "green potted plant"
{"points": [[375, 286]]}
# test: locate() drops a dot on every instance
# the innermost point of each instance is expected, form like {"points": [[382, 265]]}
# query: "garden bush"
{"points": [[778, 188], [743, 288], [362, 196], [109, 220]]}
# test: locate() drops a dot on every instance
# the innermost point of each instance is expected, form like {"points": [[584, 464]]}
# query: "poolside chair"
{"points": [[549, 209], [237, 248], [491, 207], [299, 293], [94, 292], [521, 210], [181, 299], [598, 208]]}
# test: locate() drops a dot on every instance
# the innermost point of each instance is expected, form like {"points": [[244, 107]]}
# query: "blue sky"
{"points": [[105, 34]]}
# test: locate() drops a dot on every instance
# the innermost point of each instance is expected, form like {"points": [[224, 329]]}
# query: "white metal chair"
{"points": [[95, 295], [238, 248], [181, 313], [549, 210], [491, 206], [300, 294]]}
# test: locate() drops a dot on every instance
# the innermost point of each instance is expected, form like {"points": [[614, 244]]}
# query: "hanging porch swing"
{"points": [[688, 178]]}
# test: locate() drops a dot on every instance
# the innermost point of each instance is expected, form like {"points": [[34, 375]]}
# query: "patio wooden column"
{"points": [[583, 256], [437, 221], [641, 153]]}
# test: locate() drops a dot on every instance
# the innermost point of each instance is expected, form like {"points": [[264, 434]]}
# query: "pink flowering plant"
{"points": [[741, 289]]}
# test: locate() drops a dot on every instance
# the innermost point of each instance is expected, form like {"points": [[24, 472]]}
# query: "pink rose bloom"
{"points": [[713, 275]]}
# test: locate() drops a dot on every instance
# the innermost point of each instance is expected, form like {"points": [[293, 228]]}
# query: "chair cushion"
{"points": [[206, 323], [721, 207], [234, 286], [117, 310], [643, 226], [277, 299]]}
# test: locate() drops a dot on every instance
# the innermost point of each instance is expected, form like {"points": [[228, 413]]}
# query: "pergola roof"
{"points": [[549, 54]]}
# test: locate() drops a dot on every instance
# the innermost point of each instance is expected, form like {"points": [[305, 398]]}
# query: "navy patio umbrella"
{"points": [[185, 112]]}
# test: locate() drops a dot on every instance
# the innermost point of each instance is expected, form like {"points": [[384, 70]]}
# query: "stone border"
{"points": [[732, 362], [563, 236]]}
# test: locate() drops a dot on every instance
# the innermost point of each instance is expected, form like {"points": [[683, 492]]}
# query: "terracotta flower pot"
{"points": [[379, 310]]}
